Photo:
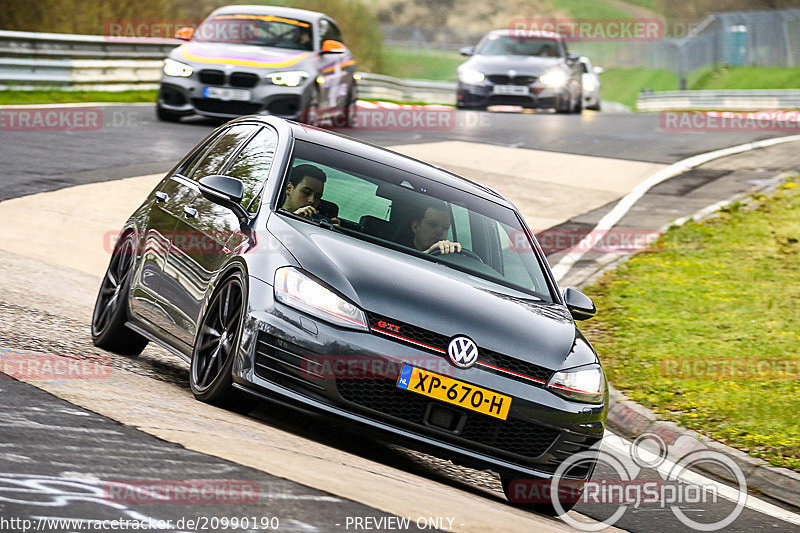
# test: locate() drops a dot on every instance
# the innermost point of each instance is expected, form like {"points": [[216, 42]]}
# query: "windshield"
{"points": [[259, 30], [403, 211], [505, 45]]}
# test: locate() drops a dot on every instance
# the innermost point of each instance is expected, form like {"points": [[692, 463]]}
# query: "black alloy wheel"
{"points": [[110, 309], [216, 345]]}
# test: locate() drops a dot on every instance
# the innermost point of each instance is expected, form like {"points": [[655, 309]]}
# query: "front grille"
{"points": [[212, 105], [246, 80], [568, 445], [286, 363], [515, 365], [212, 77], [413, 334], [382, 398], [502, 79]]}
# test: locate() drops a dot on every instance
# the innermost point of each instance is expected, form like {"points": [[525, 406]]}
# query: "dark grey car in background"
{"points": [[473, 356], [532, 70], [245, 60]]}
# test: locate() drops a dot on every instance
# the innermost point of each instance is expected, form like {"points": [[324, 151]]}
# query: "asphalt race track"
{"points": [[62, 442]]}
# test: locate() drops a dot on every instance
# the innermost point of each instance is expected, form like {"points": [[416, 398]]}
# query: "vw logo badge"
{"points": [[463, 352], [512, 73]]}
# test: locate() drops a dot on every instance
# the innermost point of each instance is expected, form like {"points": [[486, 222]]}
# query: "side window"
{"points": [[584, 67], [253, 163], [328, 30], [216, 156]]}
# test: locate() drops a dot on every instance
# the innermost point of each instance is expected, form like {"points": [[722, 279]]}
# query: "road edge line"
{"points": [[565, 264]]}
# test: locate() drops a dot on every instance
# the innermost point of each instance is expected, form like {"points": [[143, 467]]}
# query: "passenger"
{"points": [[548, 50], [430, 227]]}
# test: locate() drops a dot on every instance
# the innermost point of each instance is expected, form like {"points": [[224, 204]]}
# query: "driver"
{"points": [[430, 227], [304, 190]]}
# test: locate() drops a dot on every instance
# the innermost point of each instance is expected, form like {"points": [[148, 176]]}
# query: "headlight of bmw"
{"points": [[470, 76], [554, 78], [582, 384], [298, 290], [589, 85], [177, 69], [290, 78]]}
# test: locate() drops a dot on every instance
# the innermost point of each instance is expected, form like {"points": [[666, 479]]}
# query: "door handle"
{"points": [[189, 211], [161, 196]]}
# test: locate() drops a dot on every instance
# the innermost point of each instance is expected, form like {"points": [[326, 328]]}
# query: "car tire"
{"points": [[545, 508], [165, 115], [595, 107], [218, 336], [310, 114], [111, 310], [578, 109]]}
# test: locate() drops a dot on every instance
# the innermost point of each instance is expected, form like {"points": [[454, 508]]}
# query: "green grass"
{"points": [[589, 10], [62, 97], [420, 64], [623, 84], [703, 328], [745, 78]]}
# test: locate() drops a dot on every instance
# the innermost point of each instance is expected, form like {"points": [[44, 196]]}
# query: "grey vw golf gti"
{"points": [[292, 264]]}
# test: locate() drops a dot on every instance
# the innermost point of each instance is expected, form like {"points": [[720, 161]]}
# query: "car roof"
{"points": [[383, 155], [527, 33], [288, 12]]}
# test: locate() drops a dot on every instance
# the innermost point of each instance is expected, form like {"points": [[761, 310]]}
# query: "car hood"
{"points": [[240, 55], [432, 296], [526, 65]]}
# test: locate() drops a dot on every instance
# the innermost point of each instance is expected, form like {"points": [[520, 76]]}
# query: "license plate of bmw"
{"points": [[223, 93]]}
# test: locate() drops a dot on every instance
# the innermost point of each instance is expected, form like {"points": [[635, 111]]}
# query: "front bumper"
{"points": [[280, 359], [184, 96], [483, 95]]}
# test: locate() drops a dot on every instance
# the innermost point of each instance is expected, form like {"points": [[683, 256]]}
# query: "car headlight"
{"points": [[582, 384], [589, 85], [298, 290], [554, 78], [291, 78], [177, 69], [471, 76]]}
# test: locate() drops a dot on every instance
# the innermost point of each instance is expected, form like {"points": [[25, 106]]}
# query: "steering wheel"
{"points": [[464, 252]]}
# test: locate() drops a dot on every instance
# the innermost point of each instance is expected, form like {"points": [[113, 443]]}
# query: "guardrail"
{"points": [[69, 46], [30, 61], [720, 100]]}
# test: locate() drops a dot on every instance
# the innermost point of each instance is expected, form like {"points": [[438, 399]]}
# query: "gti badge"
{"points": [[463, 352]]}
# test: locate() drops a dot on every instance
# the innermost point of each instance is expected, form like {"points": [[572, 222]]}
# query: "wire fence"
{"points": [[758, 38]]}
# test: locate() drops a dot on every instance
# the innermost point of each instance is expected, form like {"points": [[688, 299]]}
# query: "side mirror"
{"points": [[580, 306], [184, 34], [599, 70], [225, 191], [467, 51], [333, 47]]}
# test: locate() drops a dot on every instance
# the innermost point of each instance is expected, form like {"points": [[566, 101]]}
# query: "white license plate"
{"points": [[224, 93], [516, 90]]}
